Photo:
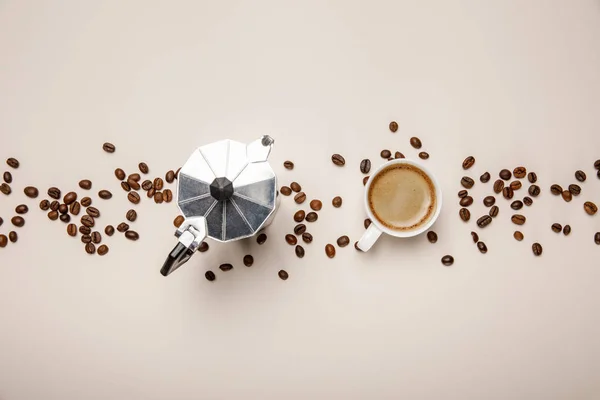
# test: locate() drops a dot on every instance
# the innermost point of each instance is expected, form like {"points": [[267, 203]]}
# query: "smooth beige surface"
{"points": [[510, 82]]}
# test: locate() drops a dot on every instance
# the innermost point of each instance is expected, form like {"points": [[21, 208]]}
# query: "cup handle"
{"points": [[369, 238]]}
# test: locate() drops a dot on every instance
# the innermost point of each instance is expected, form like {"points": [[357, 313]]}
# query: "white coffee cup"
{"points": [[376, 228]]}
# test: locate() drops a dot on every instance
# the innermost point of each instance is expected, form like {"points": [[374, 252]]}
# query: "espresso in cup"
{"points": [[402, 197]]}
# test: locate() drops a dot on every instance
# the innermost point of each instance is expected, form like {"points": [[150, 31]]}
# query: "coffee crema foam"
{"points": [[402, 197]]}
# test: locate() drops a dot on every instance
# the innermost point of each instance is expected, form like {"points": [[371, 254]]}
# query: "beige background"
{"points": [[511, 82]]}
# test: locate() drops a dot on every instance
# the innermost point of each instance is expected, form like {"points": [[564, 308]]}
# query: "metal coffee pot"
{"points": [[226, 191]]}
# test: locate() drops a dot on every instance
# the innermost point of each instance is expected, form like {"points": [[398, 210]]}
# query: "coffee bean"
{"points": [[330, 250], [170, 176], [498, 186], [158, 184], [120, 174], [516, 205], [475, 237], [55, 205], [291, 239], [567, 196], [508, 193], [143, 167], [88, 221], [53, 215], [86, 202], [299, 250], [1, 221], [464, 214], [574, 189], [3, 240], [210, 276], [283, 275], [447, 260], [468, 162], [296, 187], [537, 249], [84, 230], [482, 247], [54, 193], [463, 193], [13, 163], [177, 173], [147, 184], [21, 209], [528, 201], [598, 174], [248, 260], [365, 180], [567, 230], [515, 185], [63, 209], [343, 241], [518, 235], [299, 229], [590, 208], [13, 237], [109, 230], [556, 189], [132, 235], [7, 176], [285, 190], [85, 184], [518, 219], [416, 142], [520, 172], [423, 155], [96, 237], [489, 201], [178, 221], [534, 190], [494, 210], [316, 205], [262, 238], [104, 194], [505, 174], [103, 250], [225, 267], [299, 216], [31, 192], [467, 182], [337, 202], [72, 230], [597, 238], [532, 177], [484, 221], [93, 212], [580, 176], [597, 164], [90, 248], [466, 201], [18, 221], [299, 198], [393, 126], [108, 147], [131, 215], [123, 227], [44, 205], [307, 237], [75, 208], [338, 160], [65, 218], [134, 197], [367, 222], [4, 188], [203, 248], [432, 237], [130, 185], [485, 177], [365, 166], [556, 227], [398, 155], [312, 216], [385, 154], [167, 195]]}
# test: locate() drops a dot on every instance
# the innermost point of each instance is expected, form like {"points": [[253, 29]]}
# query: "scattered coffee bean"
{"points": [[134, 197], [466, 201], [598, 174], [210, 276], [508, 193], [103, 250], [131, 216], [556, 227], [291, 239], [203, 248], [283, 275], [3, 240], [96, 237], [7, 176], [537, 249], [464, 214], [532, 177], [178, 221], [5, 188], [498, 186], [393, 126], [484, 221], [330, 250], [343, 241], [285, 190], [44, 205], [125, 185], [316, 205], [597, 238], [1, 221], [475, 237], [248, 260], [72, 230], [135, 177], [365, 166], [299, 250], [528, 201], [93, 212], [337, 202], [520, 172], [158, 184], [63, 209], [133, 185], [485, 177], [169, 177], [468, 162], [21, 209], [463, 193], [516, 205], [556, 189], [597, 164], [13, 163], [296, 187], [515, 185], [132, 235], [120, 174], [109, 230], [534, 190], [143, 167], [590, 208], [518, 219], [288, 165], [299, 215], [167, 195], [567, 230], [574, 189], [423, 155], [494, 210], [53, 215], [90, 248], [88, 221], [123, 227], [489, 201], [225, 267], [13, 237], [580, 176], [84, 230], [416, 142], [307, 237], [505, 174], [567, 196], [367, 222], [31, 192], [104, 194], [65, 218], [385, 154], [467, 182], [482, 247], [299, 229], [262, 238], [54, 193], [75, 208], [18, 221], [398, 155], [432, 237], [85, 184], [365, 180], [55, 205], [108, 147], [518, 235], [312, 216], [447, 260], [338, 160], [86, 202]]}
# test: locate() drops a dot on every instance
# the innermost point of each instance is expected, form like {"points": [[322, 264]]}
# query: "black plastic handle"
{"points": [[176, 258]]}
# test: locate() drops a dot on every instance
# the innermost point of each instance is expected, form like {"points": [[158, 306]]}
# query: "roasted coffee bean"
{"points": [[485, 177], [134, 177], [505, 174], [72, 230], [532, 177], [5, 188], [489, 201], [330, 250], [365, 166], [86, 202], [574, 189], [307, 237], [367, 222], [65, 218], [295, 187], [167, 195], [597, 164], [423, 155], [147, 184], [44, 205], [447, 260], [299, 250], [125, 185], [590, 208], [85, 184], [13, 237], [248, 260], [54, 193], [169, 177], [598, 174], [178, 221], [285, 190], [21, 209], [299, 198], [203, 248], [299, 215], [556, 189], [534, 190], [31, 192], [262, 238], [177, 173], [336, 201], [343, 241], [288, 165], [1, 221], [134, 197], [567, 230], [158, 184], [7, 176], [494, 210], [13, 163], [464, 214], [53, 215], [537, 249], [132, 235], [55, 205], [90, 248], [520, 172], [283, 275], [416, 142], [515, 185], [498, 186], [131, 216], [516, 205], [103, 250], [475, 237], [133, 185], [210, 276], [398, 155], [108, 147], [109, 230], [385, 154], [316, 205], [93, 212], [120, 174], [518, 219], [528, 201], [432, 237], [484, 221], [225, 267], [88, 221], [567, 196], [463, 193], [508, 193], [75, 208], [96, 237], [518, 235], [556, 227], [143, 167], [482, 247], [104, 194], [299, 229], [123, 227], [312, 216], [466, 201], [3, 240], [393, 126], [580, 176], [84, 230], [291, 239], [468, 162], [18, 221], [597, 238], [467, 182], [338, 160], [63, 209], [365, 180]]}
